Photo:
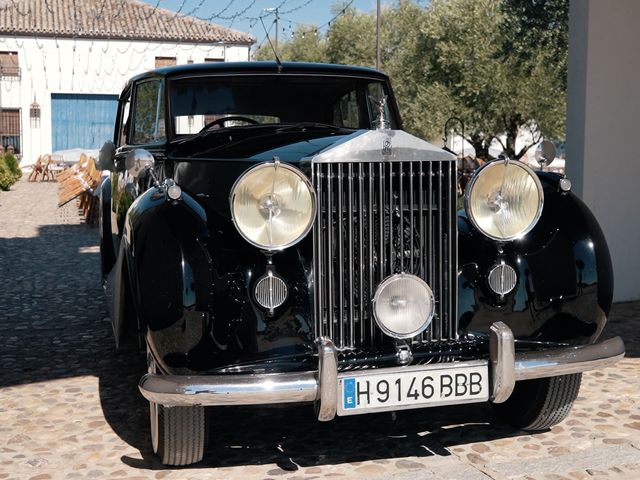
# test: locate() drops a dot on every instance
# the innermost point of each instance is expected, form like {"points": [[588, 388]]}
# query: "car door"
{"points": [[141, 125]]}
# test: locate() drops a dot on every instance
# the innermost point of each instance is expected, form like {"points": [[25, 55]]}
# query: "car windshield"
{"points": [[222, 102]]}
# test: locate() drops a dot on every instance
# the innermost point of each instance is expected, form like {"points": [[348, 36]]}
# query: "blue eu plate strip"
{"points": [[349, 389]]}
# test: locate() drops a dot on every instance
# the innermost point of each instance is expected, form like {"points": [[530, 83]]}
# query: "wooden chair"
{"points": [[81, 185], [36, 170], [47, 172]]}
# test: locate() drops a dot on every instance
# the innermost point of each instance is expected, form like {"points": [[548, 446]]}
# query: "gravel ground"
{"points": [[70, 408]]}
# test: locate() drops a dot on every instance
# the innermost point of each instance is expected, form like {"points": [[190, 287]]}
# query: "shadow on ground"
{"points": [[53, 325]]}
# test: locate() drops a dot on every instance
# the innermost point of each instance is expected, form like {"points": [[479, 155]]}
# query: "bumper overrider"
{"points": [[504, 365]]}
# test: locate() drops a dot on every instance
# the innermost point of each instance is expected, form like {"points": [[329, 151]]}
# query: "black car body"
{"points": [[231, 318]]}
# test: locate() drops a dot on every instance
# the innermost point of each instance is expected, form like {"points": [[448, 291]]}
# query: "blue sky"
{"points": [[242, 14]]}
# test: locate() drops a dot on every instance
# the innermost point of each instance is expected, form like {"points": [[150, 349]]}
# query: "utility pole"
{"points": [[377, 34]]}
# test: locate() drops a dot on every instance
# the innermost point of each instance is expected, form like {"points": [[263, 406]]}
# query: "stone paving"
{"points": [[69, 405]]}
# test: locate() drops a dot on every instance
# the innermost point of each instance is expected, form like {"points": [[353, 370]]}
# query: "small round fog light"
{"points": [[403, 305]]}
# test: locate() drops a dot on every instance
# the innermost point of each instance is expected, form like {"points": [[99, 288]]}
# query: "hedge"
{"points": [[10, 171]]}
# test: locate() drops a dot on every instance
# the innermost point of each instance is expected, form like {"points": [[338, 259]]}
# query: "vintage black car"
{"points": [[274, 236]]}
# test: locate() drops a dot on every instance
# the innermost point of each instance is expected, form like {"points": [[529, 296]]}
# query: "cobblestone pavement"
{"points": [[69, 405]]}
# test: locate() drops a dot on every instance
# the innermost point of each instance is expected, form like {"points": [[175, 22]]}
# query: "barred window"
{"points": [[10, 128], [165, 61], [9, 66]]}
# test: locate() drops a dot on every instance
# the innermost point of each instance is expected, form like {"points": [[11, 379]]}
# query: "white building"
{"points": [[602, 126], [63, 63]]}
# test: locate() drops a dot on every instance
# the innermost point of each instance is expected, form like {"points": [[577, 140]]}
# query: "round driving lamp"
{"points": [[403, 306], [273, 205], [504, 200]]}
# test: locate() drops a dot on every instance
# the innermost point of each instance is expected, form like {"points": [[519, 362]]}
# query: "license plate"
{"points": [[412, 387]]}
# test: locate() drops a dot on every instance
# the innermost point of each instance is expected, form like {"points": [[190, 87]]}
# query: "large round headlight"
{"points": [[504, 200], [403, 305], [273, 205]]}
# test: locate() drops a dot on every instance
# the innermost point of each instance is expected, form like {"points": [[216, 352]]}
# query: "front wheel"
{"points": [[541, 403], [178, 434]]}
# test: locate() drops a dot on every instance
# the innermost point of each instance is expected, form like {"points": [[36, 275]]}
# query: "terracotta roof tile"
{"points": [[116, 19]]}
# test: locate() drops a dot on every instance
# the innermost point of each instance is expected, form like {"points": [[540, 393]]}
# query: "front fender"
{"points": [[191, 278], [170, 270], [565, 279]]}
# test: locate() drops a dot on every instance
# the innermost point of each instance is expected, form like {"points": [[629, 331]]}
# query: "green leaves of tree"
{"points": [[499, 65]]}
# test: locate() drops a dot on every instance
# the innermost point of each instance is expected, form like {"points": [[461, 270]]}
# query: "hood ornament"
{"points": [[381, 122]]}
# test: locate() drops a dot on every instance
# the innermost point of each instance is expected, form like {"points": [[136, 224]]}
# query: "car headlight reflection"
{"points": [[504, 200], [273, 205]]}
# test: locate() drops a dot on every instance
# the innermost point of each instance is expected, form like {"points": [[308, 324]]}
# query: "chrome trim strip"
{"points": [[340, 260], [327, 380], [502, 362], [563, 361], [207, 390]]}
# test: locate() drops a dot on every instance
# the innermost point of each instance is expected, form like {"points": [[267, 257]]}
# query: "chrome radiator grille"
{"points": [[376, 219]]}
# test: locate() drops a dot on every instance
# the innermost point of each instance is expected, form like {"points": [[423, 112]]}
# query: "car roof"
{"points": [[197, 69]]}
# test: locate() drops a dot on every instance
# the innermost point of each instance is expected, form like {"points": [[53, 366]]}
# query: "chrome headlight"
{"points": [[403, 305], [504, 200], [273, 205]]}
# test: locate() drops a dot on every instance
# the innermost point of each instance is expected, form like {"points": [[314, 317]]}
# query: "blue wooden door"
{"points": [[82, 120]]}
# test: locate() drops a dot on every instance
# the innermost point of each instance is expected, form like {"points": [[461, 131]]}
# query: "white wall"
{"points": [[85, 66], [602, 126]]}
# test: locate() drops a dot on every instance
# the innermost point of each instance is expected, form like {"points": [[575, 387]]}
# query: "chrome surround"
{"points": [[387, 281], [269, 295], [311, 386], [363, 182], [502, 362], [501, 288], [486, 167], [327, 380], [275, 164]]}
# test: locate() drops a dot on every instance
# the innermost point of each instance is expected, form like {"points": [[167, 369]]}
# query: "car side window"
{"points": [[124, 122], [148, 119]]}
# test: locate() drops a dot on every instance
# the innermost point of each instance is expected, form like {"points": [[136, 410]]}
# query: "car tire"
{"points": [[178, 434], [541, 403]]}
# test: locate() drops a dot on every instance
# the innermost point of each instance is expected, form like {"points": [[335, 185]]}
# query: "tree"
{"points": [[307, 45], [472, 71], [499, 65], [351, 39]]}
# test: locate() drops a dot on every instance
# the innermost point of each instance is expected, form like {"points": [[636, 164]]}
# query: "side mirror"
{"points": [[105, 158], [138, 163], [545, 153]]}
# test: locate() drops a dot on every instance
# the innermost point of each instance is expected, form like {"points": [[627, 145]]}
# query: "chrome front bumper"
{"points": [[505, 368]]}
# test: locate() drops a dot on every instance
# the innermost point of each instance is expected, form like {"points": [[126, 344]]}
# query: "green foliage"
{"points": [[474, 72], [12, 164], [306, 46], [6, 177], [351, 39], [499, 65]]}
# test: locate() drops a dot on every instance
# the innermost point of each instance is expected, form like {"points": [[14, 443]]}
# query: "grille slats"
{"points": [[376, 219]]}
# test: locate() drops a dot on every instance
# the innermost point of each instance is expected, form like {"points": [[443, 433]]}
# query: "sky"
{"points": [[244, 15]]}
